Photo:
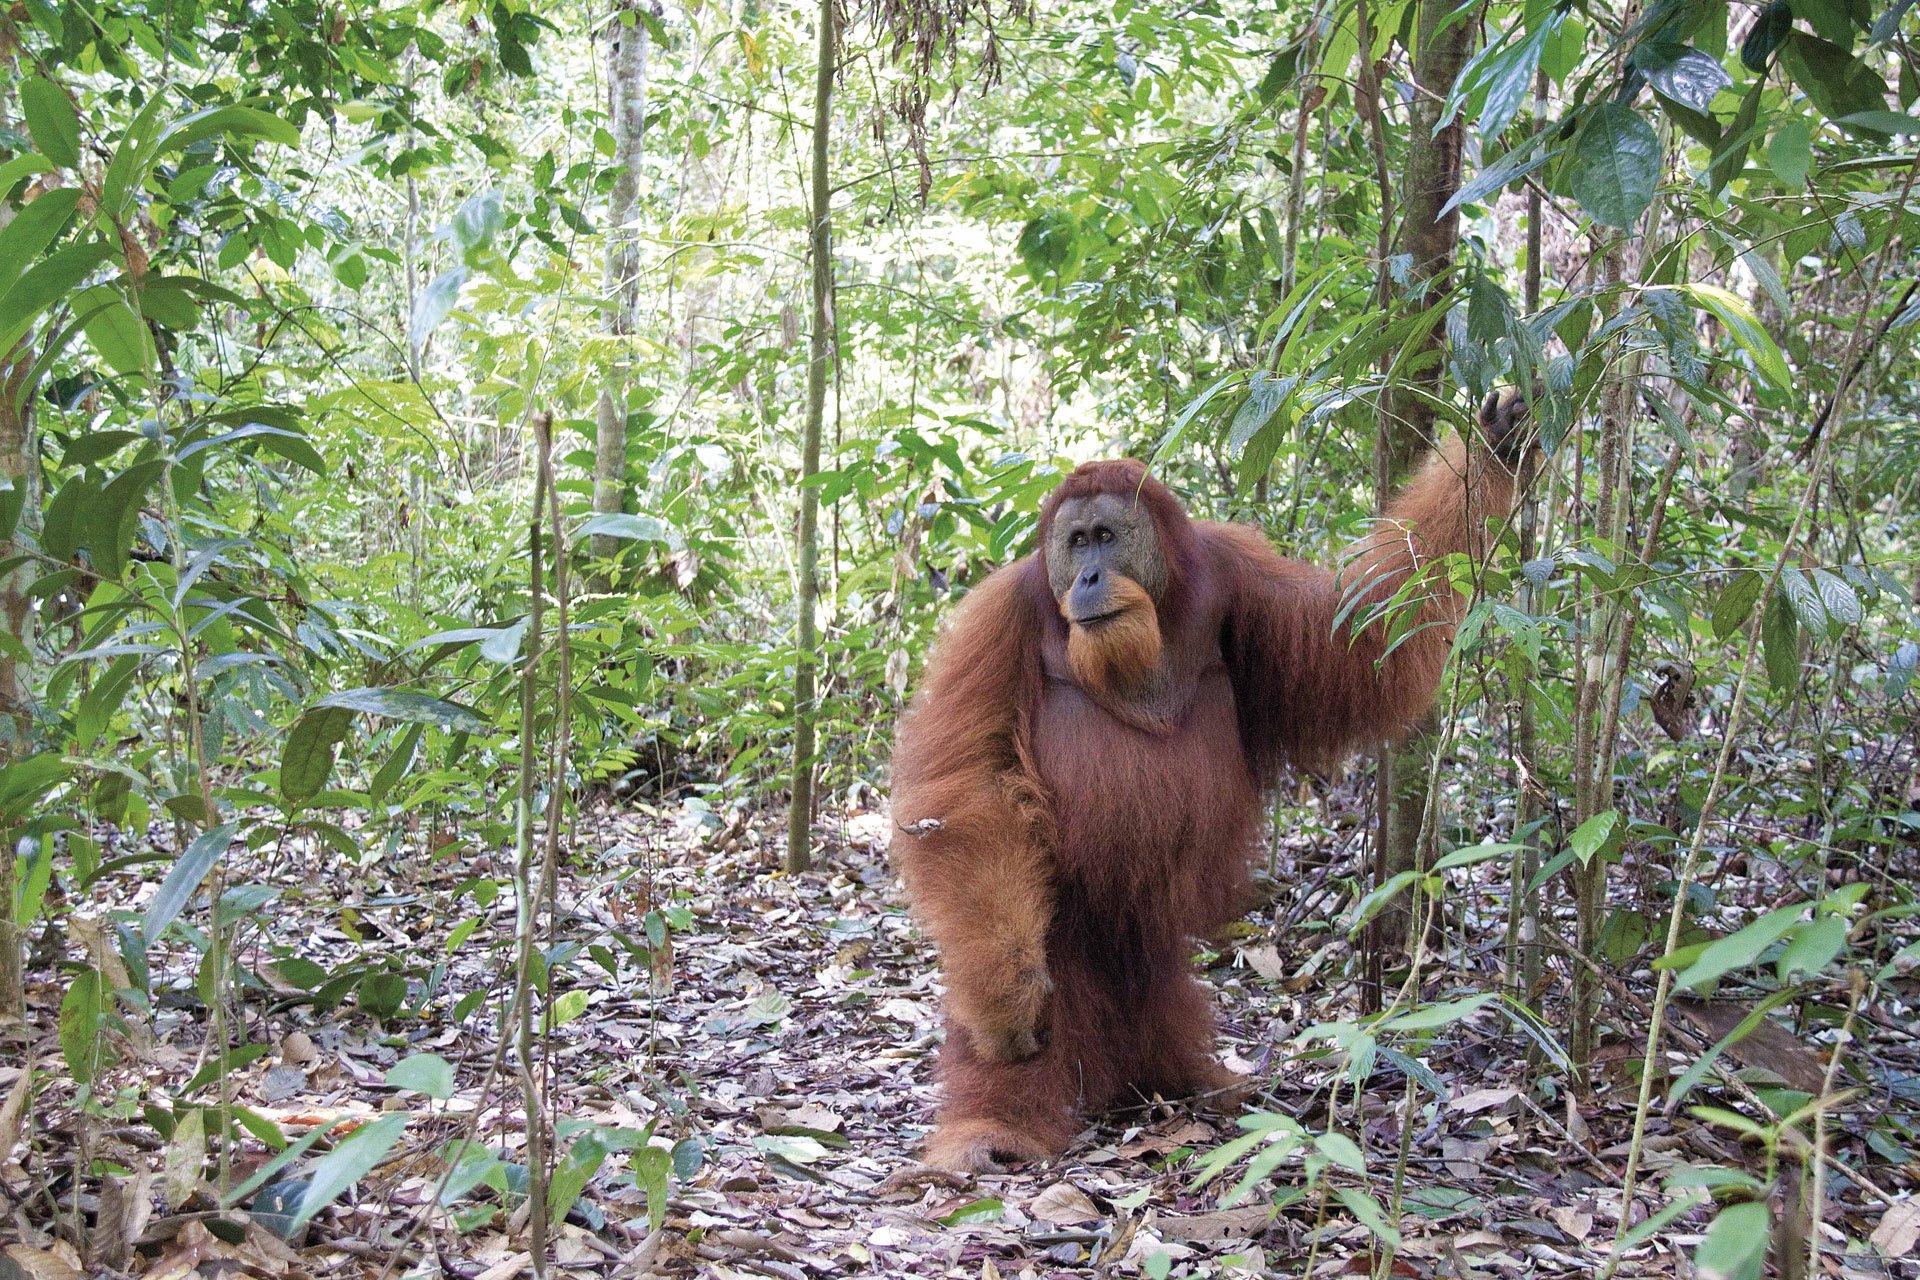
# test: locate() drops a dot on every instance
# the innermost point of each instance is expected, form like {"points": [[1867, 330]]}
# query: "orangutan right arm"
{"points": [[971, 831]]}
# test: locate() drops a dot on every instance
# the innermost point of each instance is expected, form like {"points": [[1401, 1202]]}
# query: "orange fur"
{"points": [[1115, 657], [1066, 825]]}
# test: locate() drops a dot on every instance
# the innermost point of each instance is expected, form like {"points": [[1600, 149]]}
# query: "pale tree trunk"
{"points": [[819, 368], [627, 111], [16, 719], [1406, 430]]}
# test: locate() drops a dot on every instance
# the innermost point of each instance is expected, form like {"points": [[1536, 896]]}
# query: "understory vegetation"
{"points": [[481, 480]]}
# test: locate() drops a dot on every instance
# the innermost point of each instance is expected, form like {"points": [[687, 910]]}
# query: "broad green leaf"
{"points": [[307, 759], [1773, 26], [35, 227], [349, 1162], [472, 1164], [1591, 836], [570, 1177], [81, 1010], [115, 331], [1736, 602], [427, 1073], [409, 706], [240, 122], [186, 1156], [1615, 166], [651, 1166], [617, 524], [1730, 157], [566, 1007], [292, 445], [1739, 949], [1790, 154], [51, 121], [21, 167], [1441, 1014], [435, 304], [1882, 122], [1838, 599], [1343, 1151], [986, 1209], [1511, 167], [1813, 948], [1838, 83], [1735, 1247], [396, 766], [184, 880], [1743, 323], [1687, 76], [1368, 1211], [1800, 592], [1780, 642]]}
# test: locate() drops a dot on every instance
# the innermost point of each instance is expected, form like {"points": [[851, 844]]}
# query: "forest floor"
{"points": [[791, 1031]]}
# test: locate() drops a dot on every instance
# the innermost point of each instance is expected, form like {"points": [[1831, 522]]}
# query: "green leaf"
{"points": [[1808, 607], [51, 120], [1838, 83], [1343, 1151], [651, 1166], [381, 993], [1837, 598], [1740, 320], [396, 766], [1730, 157], [616, 524], [1591, 836], [81, 1010], [1735, 1247], [1736, 602], [566, 1007], [1511, 167], [1740, 949], [1780, 641], [349, 1162], [985, 1209], [1774, 25], [184, 880], [1368, 1211], [1686, 76], [435, 305], [241, 122], [1882, 122], [1813, 948], [52, 279], [1615, 166], [35, 227], [1790, 154], [307, 759], [427, 1073], [115, 331], [1440, 1014], [409, 706]]}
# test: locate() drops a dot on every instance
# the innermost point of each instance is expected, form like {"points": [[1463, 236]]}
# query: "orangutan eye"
{"points": [[1105, 535], [1077, 540]]}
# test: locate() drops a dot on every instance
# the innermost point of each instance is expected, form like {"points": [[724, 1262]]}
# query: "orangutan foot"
{"points": [[1218, 1089], [981, 1146]]}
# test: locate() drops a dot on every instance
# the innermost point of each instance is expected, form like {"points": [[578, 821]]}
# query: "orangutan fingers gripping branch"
{"points": [[1077, 783]]}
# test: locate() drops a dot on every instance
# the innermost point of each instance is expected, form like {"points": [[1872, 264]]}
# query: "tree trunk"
{"points": [[627, 114], [1406, 432], [819, 367]]}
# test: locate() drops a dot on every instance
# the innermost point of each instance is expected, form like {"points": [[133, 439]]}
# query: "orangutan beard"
{"points": [[1116, 655]]}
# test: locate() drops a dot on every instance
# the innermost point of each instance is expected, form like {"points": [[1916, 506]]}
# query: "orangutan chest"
{"points": [[1151, 793]]}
